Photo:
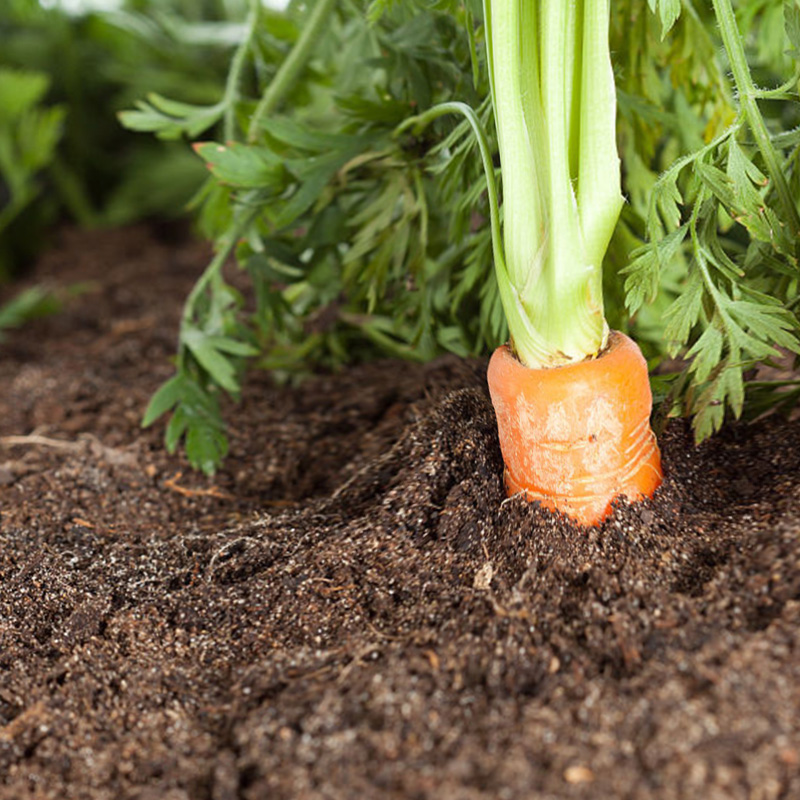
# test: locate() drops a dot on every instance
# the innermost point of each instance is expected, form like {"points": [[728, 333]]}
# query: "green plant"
{"points": [[728, 211], [27, 305], [29, 136], [362, 229], [352, 245]]}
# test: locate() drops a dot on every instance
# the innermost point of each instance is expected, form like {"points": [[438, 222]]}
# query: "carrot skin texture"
{"points": [[577, 437]]}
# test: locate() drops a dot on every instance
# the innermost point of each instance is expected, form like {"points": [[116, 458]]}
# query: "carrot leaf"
{"points": [[169, 119], [668, 12]]}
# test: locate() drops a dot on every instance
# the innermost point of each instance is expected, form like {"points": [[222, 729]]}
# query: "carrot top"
{"points": [[555, 107], [552, 90]]}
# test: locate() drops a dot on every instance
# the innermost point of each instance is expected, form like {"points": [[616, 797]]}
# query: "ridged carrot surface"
{"points": [[578, 436]]}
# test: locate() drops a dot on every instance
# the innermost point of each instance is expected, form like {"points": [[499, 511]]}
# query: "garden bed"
{"points": [[351, 607]]}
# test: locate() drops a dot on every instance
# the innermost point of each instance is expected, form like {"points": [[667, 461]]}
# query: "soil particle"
{"points": [[352, 606]]}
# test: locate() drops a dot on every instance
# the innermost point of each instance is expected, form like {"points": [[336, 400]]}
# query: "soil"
{"points": [[351, 607]]}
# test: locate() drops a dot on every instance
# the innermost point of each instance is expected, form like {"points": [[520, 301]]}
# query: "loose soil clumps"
{"points": [[352, 606]]}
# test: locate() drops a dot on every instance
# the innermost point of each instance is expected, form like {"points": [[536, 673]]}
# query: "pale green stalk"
{"points": [[522, 232], [599, 193], [554, 103]]}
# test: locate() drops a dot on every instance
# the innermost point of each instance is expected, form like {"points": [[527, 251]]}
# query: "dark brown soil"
{"points": [[351, 608]]}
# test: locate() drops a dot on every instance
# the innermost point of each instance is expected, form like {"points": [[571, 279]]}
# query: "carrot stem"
{"points": [[554, 103], [235, 72], [290, 69], [572, 399]]}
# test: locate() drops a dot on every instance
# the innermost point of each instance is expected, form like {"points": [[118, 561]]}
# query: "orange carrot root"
{"points": [[577, 437]]}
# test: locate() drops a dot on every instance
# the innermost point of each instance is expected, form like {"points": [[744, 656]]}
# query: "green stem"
{"points": [[554, 103], [214, 269], [421, 121], [516, 98], [519, 322], [235, 72], [290, 69], [748, 93], [554, 111]]}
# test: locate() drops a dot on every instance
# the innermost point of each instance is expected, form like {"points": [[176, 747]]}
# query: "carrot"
{"points": [[577, 437], [573, 401]]}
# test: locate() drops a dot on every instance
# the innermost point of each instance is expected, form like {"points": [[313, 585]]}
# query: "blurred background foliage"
{"points": [[65, 71]]}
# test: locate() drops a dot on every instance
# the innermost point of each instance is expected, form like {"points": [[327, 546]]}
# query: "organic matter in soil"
{"points": [[352, 607]]}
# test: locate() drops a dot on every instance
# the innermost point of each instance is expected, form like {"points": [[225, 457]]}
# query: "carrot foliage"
{"points": [[721, 226], [342, 232]]}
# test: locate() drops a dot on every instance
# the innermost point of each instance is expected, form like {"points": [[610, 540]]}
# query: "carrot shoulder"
{"points": [[577, 437]]}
